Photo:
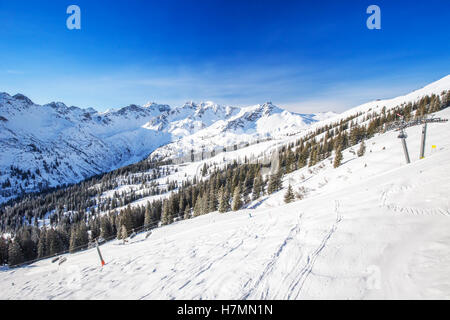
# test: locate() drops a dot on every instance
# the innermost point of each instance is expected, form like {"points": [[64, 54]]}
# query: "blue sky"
{"points": [[305, 56]]}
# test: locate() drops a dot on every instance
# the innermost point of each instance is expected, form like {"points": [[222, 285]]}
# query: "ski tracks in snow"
{"points": [[297, 285], [270, 266], [292, 283], [194, 278], [392, 190]]}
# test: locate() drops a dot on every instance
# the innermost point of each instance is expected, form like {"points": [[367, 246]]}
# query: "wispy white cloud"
{"points": [[14, 72]]}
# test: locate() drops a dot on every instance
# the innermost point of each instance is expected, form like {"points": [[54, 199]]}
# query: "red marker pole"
{"points": [[99, 254]]}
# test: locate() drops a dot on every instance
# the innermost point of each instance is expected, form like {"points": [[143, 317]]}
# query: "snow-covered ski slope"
{"points": [[373, 228]]}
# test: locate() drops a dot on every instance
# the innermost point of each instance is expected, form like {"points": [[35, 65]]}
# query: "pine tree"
{"points": [[28, 246], [82, 235], [204, 202], [289, 196], [257, 185], [246, 186], [338, 157], [194, 195], [166, 214], [198, 208], [117, 226], [73, 243], [362, 149], [127, 218], [15, 254], [235, 179], [224, 205], [106, 230], [187, 213], [181, 203], [3, 251], [204, 170], [354, 135], [312, 157], [123, 232], [237, 202], [212, 201], [446, 100], [54, 245], [148, 215], [290, 161], [275, 182], [94, 227], [303, 158]]}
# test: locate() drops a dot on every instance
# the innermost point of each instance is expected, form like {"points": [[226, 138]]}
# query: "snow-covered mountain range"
{"points": [[53, 144], [50, 145], [211, 126]]}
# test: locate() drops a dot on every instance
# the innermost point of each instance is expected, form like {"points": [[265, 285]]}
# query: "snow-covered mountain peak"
{"points": [[13, 104], [157, 106], [150, 104], [23, 98], [211, 107], [200, 107], [88, 110], [189, 105], [268, 108], [130, 109], [3, 97], [134, 111], [59, 105]]}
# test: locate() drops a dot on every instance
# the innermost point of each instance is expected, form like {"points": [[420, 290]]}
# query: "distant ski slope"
{"points": [[372, 228]]}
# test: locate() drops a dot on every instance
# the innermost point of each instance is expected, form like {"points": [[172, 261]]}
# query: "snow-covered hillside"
{"points": [[49, 145], [374, 227], [436, 88]]}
